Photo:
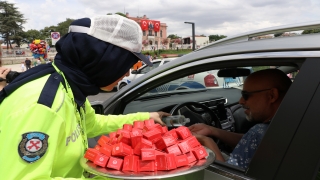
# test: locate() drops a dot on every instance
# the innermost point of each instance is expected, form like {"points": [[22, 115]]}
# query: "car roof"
{"points": [[272, 30]]}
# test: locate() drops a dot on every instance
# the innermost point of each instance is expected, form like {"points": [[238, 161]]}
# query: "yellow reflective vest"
{"points": [[38, 142]]}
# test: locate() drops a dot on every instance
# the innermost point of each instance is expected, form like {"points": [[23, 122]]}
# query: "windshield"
{"points": [[199, 81]]}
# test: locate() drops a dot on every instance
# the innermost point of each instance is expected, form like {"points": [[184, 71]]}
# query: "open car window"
{"points": [[199, 81], [207, 80]]}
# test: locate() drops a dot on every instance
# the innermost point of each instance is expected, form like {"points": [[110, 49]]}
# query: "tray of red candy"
{"points": [[146, 150]]}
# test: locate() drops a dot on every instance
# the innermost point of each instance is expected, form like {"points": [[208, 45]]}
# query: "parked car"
{"points": [[290, 148], [199, 80], [134, 74], [20, 53]]}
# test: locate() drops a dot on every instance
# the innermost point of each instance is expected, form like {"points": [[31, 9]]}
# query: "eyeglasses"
{"points": [[246, 94]]}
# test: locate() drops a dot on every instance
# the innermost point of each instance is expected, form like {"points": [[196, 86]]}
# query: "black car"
{"points": [[290, 148]]}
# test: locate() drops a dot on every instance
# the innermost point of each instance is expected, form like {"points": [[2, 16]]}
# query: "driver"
{"points": [[262, 94]]}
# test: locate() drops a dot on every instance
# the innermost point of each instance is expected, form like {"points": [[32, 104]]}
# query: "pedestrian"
{"points": [[22, 67], [45, 135], [149, 57], [38, 62], [49, 61], [35, 63], [28, 63]]}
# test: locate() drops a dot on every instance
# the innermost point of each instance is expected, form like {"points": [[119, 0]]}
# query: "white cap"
{"points": [[117, 30]]}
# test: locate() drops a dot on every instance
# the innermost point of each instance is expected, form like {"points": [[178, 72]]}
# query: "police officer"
{"points": [[45, 117]]}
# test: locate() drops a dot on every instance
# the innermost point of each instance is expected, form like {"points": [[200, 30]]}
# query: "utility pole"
{"points": [[193, 35]]}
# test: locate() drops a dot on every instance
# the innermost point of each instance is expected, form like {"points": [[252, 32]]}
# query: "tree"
{"points": [[216, 37], [121, 14], [173, 36], [311, 31], [45, 33], [11, 21], [278, 34], [32, 34], [63, 27]]}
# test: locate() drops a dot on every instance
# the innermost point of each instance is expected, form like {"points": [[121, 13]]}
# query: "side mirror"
{"points": [[97, 106]]}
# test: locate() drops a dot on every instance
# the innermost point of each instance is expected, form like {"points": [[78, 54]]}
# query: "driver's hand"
{"points": [[209, 143], [201, 129], [204, 140], [156, 116]]}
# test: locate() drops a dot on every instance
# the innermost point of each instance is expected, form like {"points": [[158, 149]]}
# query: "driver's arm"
{"points": [[209, 143], [229, 138]]}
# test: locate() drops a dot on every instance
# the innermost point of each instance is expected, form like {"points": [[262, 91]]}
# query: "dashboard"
{"points": [[220, 101]]}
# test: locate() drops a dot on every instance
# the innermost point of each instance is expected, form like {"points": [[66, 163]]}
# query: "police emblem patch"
{"points": [[33, 146]]}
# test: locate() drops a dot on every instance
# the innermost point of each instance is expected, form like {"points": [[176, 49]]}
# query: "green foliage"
{"points": [[45, 33], [11, 27], [169, 51], [121, 14], [278, 34], [258, 68], [33, 34], [311, 31], [11, 21], [216, 37], [173, 36], [63, 27]]}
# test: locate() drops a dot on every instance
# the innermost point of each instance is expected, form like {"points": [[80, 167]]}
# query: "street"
{"points": [[99, 97]]}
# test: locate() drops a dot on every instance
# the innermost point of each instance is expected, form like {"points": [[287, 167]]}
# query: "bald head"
{"points": [[264, 90], [270, 78]]}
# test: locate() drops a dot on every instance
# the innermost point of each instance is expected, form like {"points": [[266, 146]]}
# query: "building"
{"points": [[154, 33], [200, 41]]}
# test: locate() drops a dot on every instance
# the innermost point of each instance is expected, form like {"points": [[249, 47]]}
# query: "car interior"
{"points": [[215, 106]]}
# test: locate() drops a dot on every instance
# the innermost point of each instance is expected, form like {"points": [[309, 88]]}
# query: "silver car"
{"points": [[290, 148]]}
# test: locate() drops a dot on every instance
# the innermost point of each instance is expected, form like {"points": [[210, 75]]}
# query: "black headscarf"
{"points": [[87, 63]]}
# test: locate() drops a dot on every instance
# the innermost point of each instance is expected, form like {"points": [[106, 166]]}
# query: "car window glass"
{"points": [[148, 68], [206, 80], [203, 80]]}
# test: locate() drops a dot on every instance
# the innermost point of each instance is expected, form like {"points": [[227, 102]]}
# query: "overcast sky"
{"points": [[227, 17]]}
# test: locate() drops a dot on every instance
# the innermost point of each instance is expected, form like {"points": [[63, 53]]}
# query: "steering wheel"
{"points": [[188, 110]]}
